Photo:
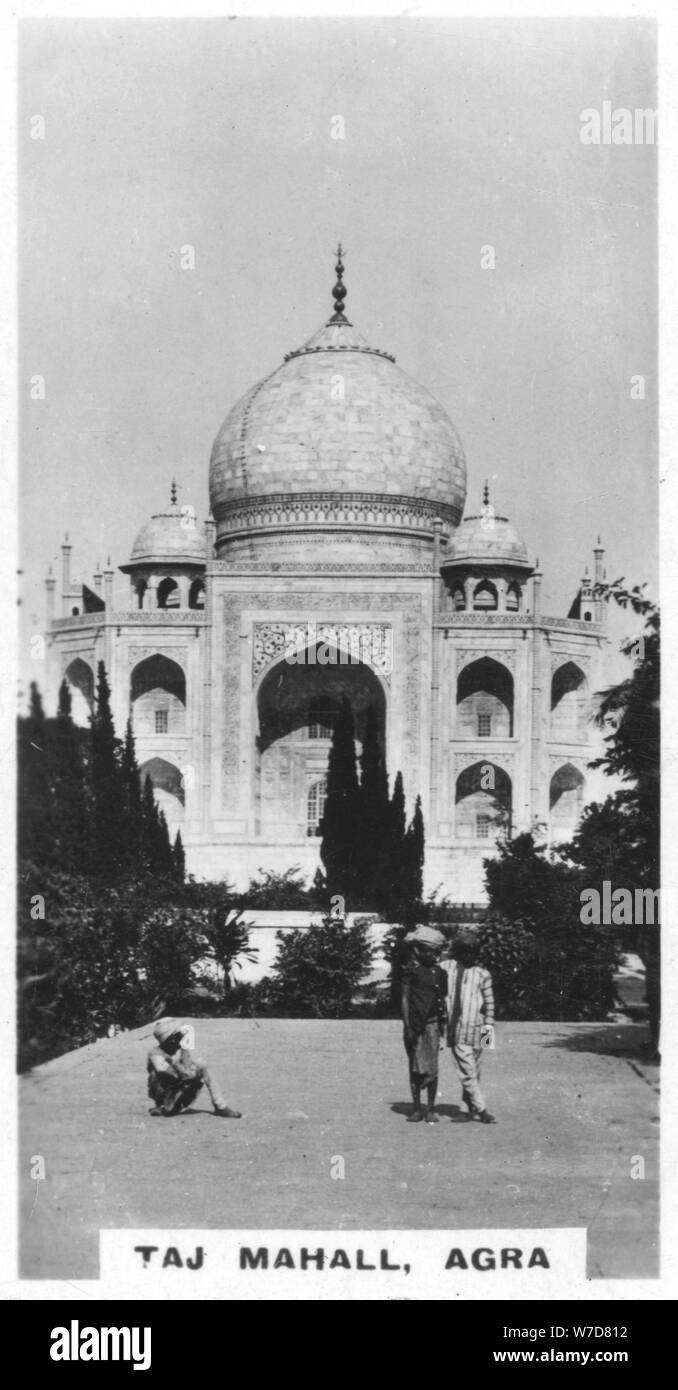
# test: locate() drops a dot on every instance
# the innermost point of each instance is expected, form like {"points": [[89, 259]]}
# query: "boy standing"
{"points": [[424, 1017], [470, 1027], [176, 1075]]}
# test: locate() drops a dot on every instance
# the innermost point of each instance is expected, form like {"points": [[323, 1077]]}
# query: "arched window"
{"points": [[168, 788], [485, 597], [566, 797], [168, 594], [482, 802], [196, 594], [513, 598], [140, 592], [484, 700], [80, 678], [459, 598], [158, 696], [315, 806], [568, 703]]}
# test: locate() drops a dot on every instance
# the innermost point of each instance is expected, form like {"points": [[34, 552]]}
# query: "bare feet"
{"points": [[431, 1117], [414, 1117], [226, 1113]]}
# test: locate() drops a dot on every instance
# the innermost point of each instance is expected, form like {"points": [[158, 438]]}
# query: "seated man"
{"points": [[176, 1075]]}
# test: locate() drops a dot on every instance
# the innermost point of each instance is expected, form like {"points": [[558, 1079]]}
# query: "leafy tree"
{"points": [[229, 939], [284, 891], [547, 964], [619, 838], [339, 849]]}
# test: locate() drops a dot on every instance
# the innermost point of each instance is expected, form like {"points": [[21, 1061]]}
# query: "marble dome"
{"points": [[170, 537], [336, 435]]}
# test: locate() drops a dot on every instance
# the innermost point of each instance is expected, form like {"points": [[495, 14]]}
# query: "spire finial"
{"points": [[173, 494], [339, 290], [486, 494]]}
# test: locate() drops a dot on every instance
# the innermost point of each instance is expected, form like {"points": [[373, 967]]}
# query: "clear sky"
{"points": [[218, 134]]}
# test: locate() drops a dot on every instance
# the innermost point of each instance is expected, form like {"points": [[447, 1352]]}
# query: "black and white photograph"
{"points": [[338, 967]]}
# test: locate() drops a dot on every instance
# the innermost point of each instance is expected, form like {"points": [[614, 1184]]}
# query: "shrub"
{"points": [[319, 971]]}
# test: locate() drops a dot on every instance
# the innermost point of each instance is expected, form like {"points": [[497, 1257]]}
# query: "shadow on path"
{"points": [[612, 1039], [452, 1112]]}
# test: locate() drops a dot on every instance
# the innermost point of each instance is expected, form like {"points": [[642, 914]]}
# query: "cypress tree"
{"points": [[165, 857], [374, 858], [66, 749], [179, 858], [340, 827], [35, 801], [397, 847], [157, 858], [414, 859], [109, 827], [131, 779]]}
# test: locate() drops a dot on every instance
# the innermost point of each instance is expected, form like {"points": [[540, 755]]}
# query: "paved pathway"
{"points": [[574, 1103]]}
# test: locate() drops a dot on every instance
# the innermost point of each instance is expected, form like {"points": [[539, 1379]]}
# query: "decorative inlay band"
{"points": [[357, 509], [371, 643]]}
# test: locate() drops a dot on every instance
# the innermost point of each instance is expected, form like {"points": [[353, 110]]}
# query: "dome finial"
{"points": [[339, 290], [173, 494], [486, 494]]}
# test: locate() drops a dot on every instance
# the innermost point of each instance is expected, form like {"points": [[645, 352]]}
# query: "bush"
{"points": [[319, 971], [557, 971]]}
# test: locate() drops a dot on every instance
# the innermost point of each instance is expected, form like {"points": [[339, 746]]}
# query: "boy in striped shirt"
{"points": [[470, 1023]]}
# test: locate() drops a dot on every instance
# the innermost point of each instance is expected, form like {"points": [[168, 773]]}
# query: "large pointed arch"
{"points": [[569, 702], [158, 697], [566, 800], [296, 703], [168, 788], [483, 801], [485, 700], [79, 677]]}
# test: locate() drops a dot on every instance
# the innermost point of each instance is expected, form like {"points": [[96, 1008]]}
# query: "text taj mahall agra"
{"points": [[338, 560]]}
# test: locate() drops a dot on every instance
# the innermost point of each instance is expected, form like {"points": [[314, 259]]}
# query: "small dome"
{"points": [[487, 539], [171, 537]]}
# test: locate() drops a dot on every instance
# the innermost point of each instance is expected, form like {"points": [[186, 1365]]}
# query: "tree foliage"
{"points": [[318, 972]]}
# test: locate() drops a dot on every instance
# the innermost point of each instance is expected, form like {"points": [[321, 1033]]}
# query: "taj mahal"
{"points": [[339, 558]]}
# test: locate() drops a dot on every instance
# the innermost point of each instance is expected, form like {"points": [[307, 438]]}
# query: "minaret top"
{"points": [[339, 290]]}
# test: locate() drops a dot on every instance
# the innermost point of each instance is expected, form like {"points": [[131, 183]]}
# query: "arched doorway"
{"points": [[158, 697], [566, 798], [80, 679], [485, 700], [482, 803], [297, 705], [568, 704], [168, 789]]}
